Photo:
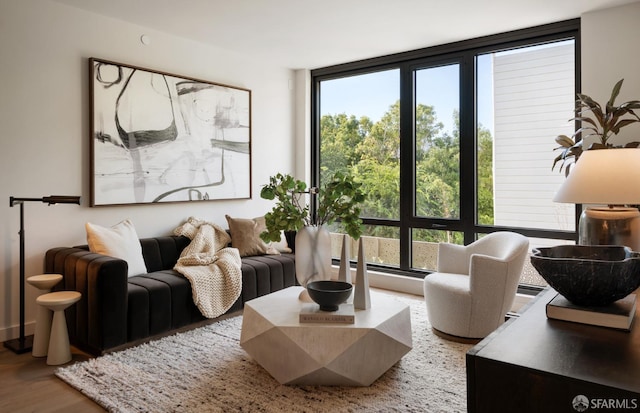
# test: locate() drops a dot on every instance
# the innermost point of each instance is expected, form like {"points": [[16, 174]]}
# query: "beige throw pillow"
{"points": [[119, 241], [245, 236]]}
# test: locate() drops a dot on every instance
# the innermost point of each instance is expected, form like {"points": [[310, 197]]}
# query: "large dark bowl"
{"points": [[329, 294], [589, 275]]}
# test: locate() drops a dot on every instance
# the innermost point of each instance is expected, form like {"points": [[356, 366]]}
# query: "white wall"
{"points": [[44, 119], [303, 122], [610, 53]]}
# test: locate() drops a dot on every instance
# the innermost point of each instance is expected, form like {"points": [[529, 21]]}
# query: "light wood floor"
{"points": [[28, 384]]}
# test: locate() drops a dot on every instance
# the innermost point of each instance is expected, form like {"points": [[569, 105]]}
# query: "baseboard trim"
{"points": [[415, 286], [9, 333], [392, 282]]}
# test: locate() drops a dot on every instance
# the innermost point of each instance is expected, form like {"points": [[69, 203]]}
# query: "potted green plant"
{"points": [[337, 200], [596, 121]]}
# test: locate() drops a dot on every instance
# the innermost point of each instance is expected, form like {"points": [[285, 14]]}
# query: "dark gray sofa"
{"points": [[116, 310]]}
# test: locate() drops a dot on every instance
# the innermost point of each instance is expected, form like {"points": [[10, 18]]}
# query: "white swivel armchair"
{"points": [[475, 285]]}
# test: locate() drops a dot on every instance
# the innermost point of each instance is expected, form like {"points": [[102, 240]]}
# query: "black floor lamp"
{"points": [[23, 344]]}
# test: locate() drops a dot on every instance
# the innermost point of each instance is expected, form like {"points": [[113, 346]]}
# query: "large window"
{"points": [[452, 142]]}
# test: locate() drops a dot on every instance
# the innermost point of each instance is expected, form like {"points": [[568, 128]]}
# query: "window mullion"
{"points": [[468, 159], [407, 162]]}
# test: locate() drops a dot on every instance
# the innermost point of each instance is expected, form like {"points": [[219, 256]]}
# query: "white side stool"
{"points": [[59, 350], [44, 283]]}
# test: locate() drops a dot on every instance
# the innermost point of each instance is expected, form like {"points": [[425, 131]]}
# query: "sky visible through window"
{"points": [[372, 94]]}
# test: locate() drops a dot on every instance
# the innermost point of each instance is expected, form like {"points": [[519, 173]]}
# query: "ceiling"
{"points": [[310, 34]]}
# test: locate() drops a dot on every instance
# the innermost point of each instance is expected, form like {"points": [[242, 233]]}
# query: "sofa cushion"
{"points": [[265, 274], [162, 253], [182, 306], [159, 303]]}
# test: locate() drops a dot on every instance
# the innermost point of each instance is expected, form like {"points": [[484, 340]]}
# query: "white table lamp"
{"points": [[609, 181]]}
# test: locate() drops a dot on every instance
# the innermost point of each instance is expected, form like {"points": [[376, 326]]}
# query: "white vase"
{"points": [[313, 255]]}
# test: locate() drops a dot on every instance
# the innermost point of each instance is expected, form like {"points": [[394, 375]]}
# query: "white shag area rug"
{"points": [[206, 370]]}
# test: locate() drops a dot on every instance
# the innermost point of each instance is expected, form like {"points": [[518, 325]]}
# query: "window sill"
{"points": [[415, 286]]}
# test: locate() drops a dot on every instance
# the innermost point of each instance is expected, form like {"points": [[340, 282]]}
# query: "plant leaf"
{"points": [[564, 141], [624, 122], [615, 92]]}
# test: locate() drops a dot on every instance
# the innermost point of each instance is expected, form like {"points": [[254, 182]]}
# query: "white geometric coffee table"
{"points": [[323, 353]]}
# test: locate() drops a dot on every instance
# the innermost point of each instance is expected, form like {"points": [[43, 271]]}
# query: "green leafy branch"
{"points": [[598, 122], [338, 200]]}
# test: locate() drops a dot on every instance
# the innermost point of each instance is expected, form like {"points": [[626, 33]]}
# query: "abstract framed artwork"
{"points": [[158, 137]]}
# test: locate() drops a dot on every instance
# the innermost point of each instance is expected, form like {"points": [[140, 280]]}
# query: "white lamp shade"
{"points": [[603, 176]]}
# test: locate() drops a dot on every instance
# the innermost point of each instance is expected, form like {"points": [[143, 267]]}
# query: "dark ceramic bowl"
{"points": [[329, 294], [589, 275]]}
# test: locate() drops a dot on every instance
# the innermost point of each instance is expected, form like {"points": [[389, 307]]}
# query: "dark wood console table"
{"points": [[534, 364]]}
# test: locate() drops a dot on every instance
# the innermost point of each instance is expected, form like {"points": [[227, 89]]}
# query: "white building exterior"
{"points": [[533, 101]]}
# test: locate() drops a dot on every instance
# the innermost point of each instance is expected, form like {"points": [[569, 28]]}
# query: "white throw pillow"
{"points": [[119, 241], [282, 245]]}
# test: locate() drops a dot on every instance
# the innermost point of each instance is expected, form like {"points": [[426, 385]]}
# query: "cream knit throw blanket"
{"points": [[213, 269]]}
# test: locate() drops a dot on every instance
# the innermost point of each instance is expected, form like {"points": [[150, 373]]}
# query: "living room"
{"points": [[45, 48]]}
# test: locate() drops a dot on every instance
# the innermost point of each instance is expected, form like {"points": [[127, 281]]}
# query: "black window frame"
{"points": [[465, 53]]}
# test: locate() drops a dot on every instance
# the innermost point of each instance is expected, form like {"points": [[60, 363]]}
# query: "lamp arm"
{"points": [[51, 199], [18, 201], [61, 199]]}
